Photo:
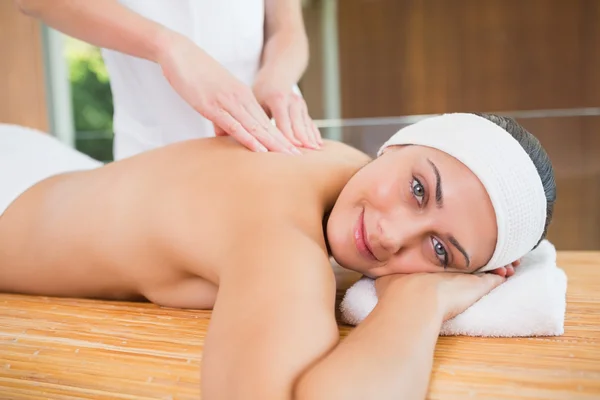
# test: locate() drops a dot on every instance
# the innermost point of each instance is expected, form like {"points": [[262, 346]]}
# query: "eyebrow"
{"points": [[439, 201], [439, 196], [455, 243]]}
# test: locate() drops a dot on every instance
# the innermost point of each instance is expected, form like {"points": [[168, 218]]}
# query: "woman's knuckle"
{"points": [[297, 99], [234, 127], [254, 129], [277, 97], [225, 97]]}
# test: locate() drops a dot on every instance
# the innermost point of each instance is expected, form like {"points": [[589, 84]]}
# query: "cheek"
{"points": [[336, 226], [385, 190], [341, 223], [389, 193], [380, 183]]}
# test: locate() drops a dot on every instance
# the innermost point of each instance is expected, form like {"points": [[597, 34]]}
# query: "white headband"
{"points": [[503, 167]]}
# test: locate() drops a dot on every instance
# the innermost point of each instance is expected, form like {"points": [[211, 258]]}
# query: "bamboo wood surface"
{"points": [[83, 349]]}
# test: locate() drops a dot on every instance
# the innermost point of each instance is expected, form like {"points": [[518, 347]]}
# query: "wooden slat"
{"points": [[83, 349]]}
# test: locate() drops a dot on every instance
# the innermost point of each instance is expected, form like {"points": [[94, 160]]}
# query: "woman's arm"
{"points": [[273, 318], [390, 354], [284, 60], [273, 333], [198, 78], [285, 53], [102, 23]]}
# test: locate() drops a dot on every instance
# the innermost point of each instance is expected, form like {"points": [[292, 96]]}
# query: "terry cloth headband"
{"points": [[503, 167]]}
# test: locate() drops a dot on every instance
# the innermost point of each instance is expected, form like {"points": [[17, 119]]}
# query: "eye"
{"points": [[418, 190], [440, 252]]}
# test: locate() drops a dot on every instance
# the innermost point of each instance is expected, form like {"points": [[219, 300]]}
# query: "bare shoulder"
{"points": [[328, 170], [344, 152]]}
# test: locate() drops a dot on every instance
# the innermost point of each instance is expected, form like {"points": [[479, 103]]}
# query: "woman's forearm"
{"points": [[103, 23], [285, 58], [388, 356]]}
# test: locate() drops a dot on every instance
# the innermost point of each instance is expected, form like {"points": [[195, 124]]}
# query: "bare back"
{"points": [[162, 225]]}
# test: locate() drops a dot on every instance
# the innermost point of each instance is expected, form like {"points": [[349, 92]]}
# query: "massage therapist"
{"points": [[195, 68]]}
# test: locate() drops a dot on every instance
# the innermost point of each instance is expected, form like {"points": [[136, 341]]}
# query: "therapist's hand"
{"points": [[289, 111], [216, 94]]}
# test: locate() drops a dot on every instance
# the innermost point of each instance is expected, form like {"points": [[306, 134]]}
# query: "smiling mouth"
{"points": [[360, 238]]}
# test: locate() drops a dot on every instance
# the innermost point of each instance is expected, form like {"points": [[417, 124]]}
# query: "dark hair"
{"points": [[537, 154]]}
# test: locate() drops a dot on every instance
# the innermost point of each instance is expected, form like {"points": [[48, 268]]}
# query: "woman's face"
{"points": [[413, 209]]}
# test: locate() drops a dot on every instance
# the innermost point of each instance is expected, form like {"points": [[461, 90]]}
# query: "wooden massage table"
{"points": [[83, 349]]}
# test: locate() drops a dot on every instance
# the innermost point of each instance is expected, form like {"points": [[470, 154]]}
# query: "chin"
{"points": [[338, 257], [345, 262]]}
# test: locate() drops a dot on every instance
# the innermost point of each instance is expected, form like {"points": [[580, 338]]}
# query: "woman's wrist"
{"points": [[285, 57], [417, 292], [163, 42], [267, 83]]}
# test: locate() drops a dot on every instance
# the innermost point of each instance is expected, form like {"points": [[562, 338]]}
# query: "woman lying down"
{"points": [[207, 224]]}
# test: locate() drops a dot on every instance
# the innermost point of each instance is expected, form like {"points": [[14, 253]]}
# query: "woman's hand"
{"points": [[451, 293], [395, 343], [216, 94], [289, 111], [508, 270]]}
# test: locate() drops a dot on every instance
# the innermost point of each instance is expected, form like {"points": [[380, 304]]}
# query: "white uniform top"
{"points": [[148, 112]]}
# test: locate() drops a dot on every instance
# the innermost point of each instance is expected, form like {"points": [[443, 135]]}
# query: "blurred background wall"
{"points": [[377, 65]]}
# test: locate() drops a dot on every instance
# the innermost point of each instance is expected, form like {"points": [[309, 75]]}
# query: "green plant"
{"points": [[92, 99]]}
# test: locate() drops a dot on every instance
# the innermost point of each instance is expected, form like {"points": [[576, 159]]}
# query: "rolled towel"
{"points": [[532, 302]]}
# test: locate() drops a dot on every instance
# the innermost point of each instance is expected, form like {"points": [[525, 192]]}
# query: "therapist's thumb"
{"points": [[219, 131]]}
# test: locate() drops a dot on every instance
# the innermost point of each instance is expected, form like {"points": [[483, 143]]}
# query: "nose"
{"points": [[399, 232]]}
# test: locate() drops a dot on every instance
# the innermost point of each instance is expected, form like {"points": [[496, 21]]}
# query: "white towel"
{"points": [[530, 303], [28, 156]]}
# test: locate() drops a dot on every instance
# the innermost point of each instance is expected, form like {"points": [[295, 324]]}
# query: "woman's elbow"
{"points": [[309, 391], [318, 387]]}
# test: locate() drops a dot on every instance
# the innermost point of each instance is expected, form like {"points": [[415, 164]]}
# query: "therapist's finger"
{"points": [[219, 131], [301, 131], [230, 126], [254, 119], [312, 133], [316, 130], [255, 124], [254, 109], [311, 127], [281, 114]]}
